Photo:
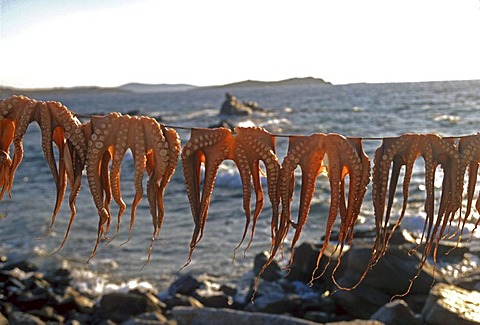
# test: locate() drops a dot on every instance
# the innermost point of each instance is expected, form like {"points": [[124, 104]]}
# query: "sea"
{"points": [[448, 108]]}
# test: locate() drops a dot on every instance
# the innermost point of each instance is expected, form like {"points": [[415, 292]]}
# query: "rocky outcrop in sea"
{"points": [[448, 294]]}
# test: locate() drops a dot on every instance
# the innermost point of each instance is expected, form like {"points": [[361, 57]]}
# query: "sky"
{"points": [[65, 43]]}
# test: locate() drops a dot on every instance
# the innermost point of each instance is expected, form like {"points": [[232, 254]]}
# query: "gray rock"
{"points": [[147, 319], [181, 300], [184, 285], [120, 306], [396, 312], [392, 273], [213, 298], [449, 304], [211, 316], [19, 318], [272, 272], [232, 106]]}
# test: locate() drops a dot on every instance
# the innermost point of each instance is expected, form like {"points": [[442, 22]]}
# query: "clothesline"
{"points": [[275, 134]]}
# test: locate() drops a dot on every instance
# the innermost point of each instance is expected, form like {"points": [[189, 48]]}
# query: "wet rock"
{"points": [[18, 317], [393, 272], [272, 272], [211, 316], [449, 304], [24, 265], [272, 298], [147, 319], [319, 316], [181, 300], [228, 289], [396, 312], [184, 285], [213, 298], [305, 261], [74, 300], [232, 106], [120, 306], [254, 106], [47, 314]]}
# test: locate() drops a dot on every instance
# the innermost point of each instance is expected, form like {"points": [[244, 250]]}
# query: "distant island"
{"points": [[156, 88], [286, 82]]}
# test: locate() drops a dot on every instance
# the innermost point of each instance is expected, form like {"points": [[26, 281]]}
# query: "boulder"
{"points": [[396, 312], [17, 317], [184, 285], [119, 306], [211, 316], [232, 106], [272, 272], [449, 304]]}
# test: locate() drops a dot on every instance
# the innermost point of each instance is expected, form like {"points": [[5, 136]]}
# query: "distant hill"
{"points": [[155, 88], [287, 82], [149, 88]]}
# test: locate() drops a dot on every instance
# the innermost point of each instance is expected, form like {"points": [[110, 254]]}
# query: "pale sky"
{"points": [[63, 43]]}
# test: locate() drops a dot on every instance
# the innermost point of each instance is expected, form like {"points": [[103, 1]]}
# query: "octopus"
{"points": [[16, 113], [247, 148], [403, 151], [155, 150], [58, 125], [319, 153], [252, 145]]}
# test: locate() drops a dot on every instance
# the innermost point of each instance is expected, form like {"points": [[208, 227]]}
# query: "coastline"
{"points": [[59, 295]]}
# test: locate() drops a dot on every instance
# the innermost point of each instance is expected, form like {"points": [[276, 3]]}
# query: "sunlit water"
{"points": [[367, 110]]}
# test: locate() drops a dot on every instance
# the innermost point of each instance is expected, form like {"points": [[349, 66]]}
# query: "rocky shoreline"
{"points": [[29, 296]]}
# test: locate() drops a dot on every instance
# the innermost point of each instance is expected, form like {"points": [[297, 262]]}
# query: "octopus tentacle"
{"points": [[173, 148], [212, 147], [119, 149], [469, 149], [137, 145], [103, 135]]}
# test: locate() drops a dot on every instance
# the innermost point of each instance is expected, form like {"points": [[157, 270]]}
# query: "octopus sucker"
{"points": [[211, 147], [253, 145]]}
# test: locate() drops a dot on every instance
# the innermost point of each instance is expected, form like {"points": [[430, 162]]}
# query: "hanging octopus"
{"points": [[110, 137], [337, 157], [210, 147], [16, 113], [247, 148], [403, 151], [252, 145], [58, 125]]}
